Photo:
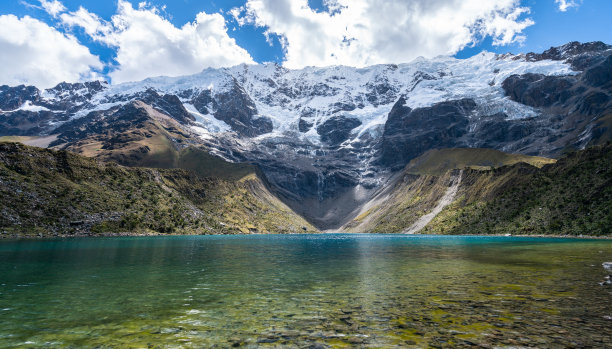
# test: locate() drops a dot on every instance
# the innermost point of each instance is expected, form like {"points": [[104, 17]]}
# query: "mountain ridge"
{"points": [[327, 139], [56, 193]]}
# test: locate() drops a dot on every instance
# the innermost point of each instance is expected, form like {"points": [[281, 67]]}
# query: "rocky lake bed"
{"points": [[306, 291]]}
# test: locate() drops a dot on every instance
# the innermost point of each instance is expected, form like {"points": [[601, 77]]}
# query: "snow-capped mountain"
{"points": [[322, 135]]}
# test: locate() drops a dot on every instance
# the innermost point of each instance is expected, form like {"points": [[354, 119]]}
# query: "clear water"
{"points": [[304, 291]]}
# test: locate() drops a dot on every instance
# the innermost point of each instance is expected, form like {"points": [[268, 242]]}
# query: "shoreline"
{"points": [[16, 237]]}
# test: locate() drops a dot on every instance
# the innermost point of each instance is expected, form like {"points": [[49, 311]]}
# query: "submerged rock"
{"points": [[607, 267]]}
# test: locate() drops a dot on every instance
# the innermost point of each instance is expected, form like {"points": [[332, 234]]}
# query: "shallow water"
{"points": [[304, 291]]}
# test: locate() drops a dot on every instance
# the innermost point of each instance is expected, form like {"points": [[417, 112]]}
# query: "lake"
{"points": [[312, 291]]}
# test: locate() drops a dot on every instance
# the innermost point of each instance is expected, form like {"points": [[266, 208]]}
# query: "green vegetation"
{"points": [[571, 197], [45, 192], [19, 139], [602, 129], [204, 164], [439, 161]]}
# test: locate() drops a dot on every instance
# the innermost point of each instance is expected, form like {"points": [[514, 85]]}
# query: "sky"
{"points": [[44, 42]]}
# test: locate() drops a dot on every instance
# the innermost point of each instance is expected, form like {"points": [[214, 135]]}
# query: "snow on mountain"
{"points": [[315, 95], [366, 94]]}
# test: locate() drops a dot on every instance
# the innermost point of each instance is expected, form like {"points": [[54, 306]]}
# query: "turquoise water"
{"points": [[304, 291]]}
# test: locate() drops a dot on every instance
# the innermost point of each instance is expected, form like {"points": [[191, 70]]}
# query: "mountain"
{"points": [[57, 193], [328, 140]]}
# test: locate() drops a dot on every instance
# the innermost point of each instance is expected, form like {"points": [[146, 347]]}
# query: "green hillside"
{"points": [[45, 192], [439, 161], [570, 197], [204, 164]]}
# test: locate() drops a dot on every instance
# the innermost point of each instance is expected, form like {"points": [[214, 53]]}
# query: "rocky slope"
{"points": [[51, 193], [420, 187], [327, 139]]}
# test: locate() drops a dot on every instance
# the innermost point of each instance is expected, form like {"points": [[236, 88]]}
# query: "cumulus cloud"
{"points": [[34, 53], [347, 32], [365, 32], [149, 45], [93, 25], [565, 4]]}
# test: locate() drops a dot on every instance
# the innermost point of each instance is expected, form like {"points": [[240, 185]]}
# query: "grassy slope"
{"points": [[49, 192], [570, 197], [201, 162], [19, 139], [603, 130], [409, 197], [439, 161]]}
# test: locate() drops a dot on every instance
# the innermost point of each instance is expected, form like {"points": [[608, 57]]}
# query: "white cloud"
{"points": [[565, 4], [30, 6], [93, 25], [348, 32], [53, 7], [34, 53], [149, 45], [365, 32], [236, 12]]}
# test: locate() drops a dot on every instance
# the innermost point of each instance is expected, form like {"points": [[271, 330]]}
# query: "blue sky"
{"points": [[251, 31], [590, 21]]}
